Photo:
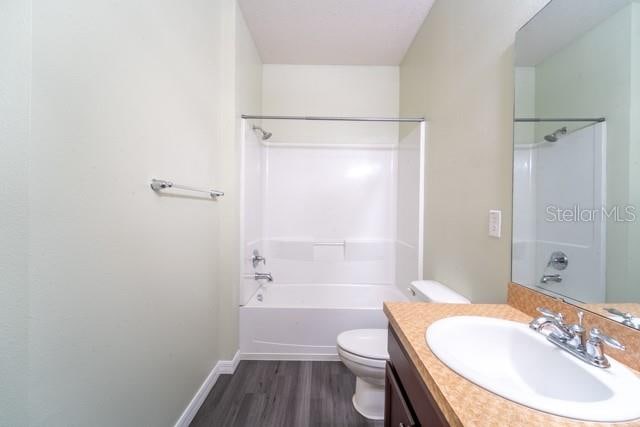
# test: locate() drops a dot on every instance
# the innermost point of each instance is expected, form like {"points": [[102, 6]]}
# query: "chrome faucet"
{"points": [[265, 276], [551, 278], [573, 338]]}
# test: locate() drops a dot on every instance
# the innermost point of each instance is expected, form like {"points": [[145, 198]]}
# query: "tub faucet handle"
{"points": [[256, 259]]}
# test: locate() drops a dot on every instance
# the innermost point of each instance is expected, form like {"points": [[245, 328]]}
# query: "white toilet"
{"points": [[364, 351]]}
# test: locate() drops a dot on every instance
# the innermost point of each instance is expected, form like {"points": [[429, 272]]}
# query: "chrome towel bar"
{"points": [[161, 184]]}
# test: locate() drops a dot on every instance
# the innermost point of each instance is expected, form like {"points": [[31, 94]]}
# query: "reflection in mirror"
{"points": [[576, 216]]}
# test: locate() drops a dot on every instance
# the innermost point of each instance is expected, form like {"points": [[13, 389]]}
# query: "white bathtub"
{"points": [[301, 322]]}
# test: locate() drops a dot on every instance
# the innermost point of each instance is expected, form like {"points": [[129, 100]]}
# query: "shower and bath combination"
{"points": [[340, 224]]}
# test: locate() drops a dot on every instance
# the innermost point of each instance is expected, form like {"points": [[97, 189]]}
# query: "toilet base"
{"points": [[368, 400]]}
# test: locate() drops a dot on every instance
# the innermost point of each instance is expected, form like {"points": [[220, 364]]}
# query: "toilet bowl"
{"points": [[364, 351]]}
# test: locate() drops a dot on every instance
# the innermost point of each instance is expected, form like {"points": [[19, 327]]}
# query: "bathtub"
{"points": [[301, 322]]}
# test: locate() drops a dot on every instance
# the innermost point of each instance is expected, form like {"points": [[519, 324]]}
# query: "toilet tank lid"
{"points": [[436, 292]]}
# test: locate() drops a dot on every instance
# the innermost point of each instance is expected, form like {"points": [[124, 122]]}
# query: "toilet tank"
{"points": [[436, 292]]}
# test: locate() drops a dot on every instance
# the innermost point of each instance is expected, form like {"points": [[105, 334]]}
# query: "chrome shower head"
{"points": [[553, 137], [265, 135]]}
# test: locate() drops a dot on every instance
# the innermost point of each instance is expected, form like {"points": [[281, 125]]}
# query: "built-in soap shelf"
{"points": [[329, 250]]}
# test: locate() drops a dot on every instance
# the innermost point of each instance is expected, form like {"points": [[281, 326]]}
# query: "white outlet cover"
{"points": [[495, 223]]}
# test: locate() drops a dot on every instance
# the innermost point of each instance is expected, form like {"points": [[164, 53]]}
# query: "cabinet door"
{"points": [[397, 412]]}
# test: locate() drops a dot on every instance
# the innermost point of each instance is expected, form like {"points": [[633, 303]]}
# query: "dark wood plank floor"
{"points": [[283, 394]]}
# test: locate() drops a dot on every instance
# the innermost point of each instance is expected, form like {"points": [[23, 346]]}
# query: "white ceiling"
{"points": [[558, 24], [345, 32]]}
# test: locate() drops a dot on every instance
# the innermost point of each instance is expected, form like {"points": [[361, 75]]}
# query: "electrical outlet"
{"points": [[495, 223]]}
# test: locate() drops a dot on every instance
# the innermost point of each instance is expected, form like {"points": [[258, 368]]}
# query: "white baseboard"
{"points": [[222, 367], [290, 356], [229, 366]]}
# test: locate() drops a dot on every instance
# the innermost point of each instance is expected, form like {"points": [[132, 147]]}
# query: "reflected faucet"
{"points": [[551, 278]]}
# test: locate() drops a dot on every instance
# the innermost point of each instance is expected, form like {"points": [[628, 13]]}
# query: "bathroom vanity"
{"points": [[408, 402], [422, 391]]}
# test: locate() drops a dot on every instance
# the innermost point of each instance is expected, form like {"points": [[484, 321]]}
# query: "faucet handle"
{"points": [[257, 259], [579, 339], [559, 317], [580, 317], [596, 336]]}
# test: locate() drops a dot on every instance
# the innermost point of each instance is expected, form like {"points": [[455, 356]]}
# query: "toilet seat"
{"points": [[361, 344], [365, 361]]}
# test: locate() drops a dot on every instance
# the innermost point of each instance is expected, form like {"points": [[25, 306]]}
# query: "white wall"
{"points": [[317, 194], [458, 73], [131, 304], [15, 81]]}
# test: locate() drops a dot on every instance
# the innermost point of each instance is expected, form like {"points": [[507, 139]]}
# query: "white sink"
{"points": [[519, 364]]}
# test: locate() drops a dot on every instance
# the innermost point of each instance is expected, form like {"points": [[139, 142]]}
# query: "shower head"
{"points": [[553, 137], [265, 135]]}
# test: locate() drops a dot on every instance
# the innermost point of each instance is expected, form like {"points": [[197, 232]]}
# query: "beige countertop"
{"points": [[461, 401]]}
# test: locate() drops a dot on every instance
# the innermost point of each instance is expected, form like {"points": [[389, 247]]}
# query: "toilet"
{"points": [[364, 351]]}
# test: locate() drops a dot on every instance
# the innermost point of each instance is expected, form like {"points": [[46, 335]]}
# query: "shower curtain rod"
{"points": [[340, 119], [599, 119]]}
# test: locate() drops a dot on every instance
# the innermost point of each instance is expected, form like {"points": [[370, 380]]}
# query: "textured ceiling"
{"points": [[348, 32]]}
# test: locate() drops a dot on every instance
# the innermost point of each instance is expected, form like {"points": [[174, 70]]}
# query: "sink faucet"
{"points": [[260, 276], [573, 338]]}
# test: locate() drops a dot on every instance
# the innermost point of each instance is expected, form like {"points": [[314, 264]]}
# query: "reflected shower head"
{"points": [[265, 135], [553, 137]]}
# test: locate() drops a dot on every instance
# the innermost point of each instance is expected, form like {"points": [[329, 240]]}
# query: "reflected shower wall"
{"points": [[559, 193]]}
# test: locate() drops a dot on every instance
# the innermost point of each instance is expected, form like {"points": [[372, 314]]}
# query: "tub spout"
{"points": [[261, 276]]}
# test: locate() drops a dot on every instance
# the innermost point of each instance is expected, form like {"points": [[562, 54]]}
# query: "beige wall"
{"points": [[331, 90], [459, 74], [244, 84], [634, 155], [132, 297], [15, 81]]}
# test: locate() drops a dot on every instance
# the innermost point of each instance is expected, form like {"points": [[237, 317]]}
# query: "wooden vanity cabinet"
{"points": [[408, 402]]}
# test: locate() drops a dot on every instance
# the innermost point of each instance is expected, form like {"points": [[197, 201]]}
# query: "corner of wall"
{"points": [[242, 94]]}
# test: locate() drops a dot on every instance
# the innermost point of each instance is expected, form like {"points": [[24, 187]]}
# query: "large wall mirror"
{"points": [[576, 201]]}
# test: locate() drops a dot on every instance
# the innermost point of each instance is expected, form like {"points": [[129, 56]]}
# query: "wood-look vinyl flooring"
{"points": [[283, 394]]}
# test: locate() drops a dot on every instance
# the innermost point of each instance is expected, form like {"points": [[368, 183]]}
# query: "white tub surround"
{"points": [[543, 198], [301, 322]]}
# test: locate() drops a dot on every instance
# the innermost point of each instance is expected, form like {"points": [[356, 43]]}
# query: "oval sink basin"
{"points": [[519, 364]]}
